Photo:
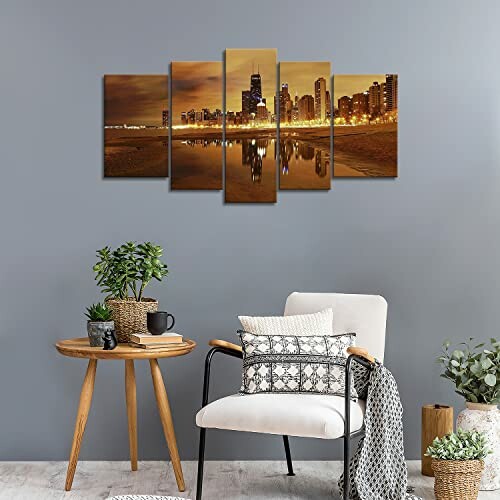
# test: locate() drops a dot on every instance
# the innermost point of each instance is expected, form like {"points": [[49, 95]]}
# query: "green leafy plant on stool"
{"points": [[475, 370], [462, 445], [98, 312], [129, 269]]}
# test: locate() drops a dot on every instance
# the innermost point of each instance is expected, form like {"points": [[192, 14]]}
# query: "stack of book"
{"points": [[164, 341]]}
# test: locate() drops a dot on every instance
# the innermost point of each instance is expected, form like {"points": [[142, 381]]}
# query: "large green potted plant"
{"points": [[457, 462], [123, 274], [475, 371]]}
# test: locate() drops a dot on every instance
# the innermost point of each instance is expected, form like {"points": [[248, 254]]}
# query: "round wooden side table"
{"points": [[80, 348]]}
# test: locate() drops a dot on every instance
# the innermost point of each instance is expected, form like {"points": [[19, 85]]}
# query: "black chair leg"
{"points": [[288, 456], [201, 461], [347, 454]]}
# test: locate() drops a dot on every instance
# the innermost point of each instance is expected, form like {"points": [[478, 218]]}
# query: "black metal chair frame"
{"points": [[348, 436]]}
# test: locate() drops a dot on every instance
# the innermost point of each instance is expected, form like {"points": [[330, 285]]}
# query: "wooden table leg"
{"points": [[167, 423], [131, 397], [81, 420]]}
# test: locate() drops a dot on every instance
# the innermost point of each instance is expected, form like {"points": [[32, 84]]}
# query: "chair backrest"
{"points": [[365, 315]]}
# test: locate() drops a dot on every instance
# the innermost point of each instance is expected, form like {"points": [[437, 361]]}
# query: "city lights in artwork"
{"points": [[376, 105]]}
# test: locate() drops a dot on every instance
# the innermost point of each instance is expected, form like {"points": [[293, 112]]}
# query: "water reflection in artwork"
{"points": [[303, 166], [198, 164], [250, 170]]}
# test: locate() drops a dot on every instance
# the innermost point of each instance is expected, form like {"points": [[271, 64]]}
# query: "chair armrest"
{"points": [[361, 352], [362, 357], [225, 345]]}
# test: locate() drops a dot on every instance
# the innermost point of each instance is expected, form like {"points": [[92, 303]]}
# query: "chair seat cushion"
{"points": [[302, 415]]}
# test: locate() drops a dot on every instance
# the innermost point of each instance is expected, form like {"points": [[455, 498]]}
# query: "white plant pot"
{"points": [[486, 419]]}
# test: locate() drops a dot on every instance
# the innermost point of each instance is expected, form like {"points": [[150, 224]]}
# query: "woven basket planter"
{"points": [[457, 479], [130, 316]]}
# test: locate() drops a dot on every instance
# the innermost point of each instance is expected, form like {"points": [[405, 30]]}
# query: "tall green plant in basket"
{"points": [[129, 269]]}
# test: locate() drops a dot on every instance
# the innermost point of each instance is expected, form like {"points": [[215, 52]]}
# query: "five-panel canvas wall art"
{"points": [[250, 125]]}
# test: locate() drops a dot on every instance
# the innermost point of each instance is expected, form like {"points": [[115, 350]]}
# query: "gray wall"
{"points": [[427, 241]]}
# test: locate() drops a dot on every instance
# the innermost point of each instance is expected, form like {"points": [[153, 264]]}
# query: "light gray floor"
{"points": [[229, 480]]}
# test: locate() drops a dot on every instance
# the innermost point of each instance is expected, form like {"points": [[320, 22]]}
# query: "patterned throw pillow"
{"points": [[320, 323], [295, 364]]}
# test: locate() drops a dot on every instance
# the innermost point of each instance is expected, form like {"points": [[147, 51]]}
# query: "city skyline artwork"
{"points": [[251, 126]]}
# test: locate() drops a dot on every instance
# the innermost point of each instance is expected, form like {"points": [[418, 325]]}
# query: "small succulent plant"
{"points": [[462, 445], [98, 312], [475, 370]]}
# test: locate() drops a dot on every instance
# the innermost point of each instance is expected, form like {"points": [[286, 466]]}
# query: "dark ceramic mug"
{"points": [[158, 322]]}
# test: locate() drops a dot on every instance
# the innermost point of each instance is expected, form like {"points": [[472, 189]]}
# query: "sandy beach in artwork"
{"points": [[319, 137], [136, 152], [365, 150]]}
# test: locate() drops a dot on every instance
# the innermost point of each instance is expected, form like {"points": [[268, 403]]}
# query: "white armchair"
{"points": [[302, 415]]}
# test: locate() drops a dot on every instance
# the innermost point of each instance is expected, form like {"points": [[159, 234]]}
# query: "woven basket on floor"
{"points": [[130, 316], [457, 479]]}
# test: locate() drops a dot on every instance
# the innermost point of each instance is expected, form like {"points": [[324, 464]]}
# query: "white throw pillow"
{"points": [[320, 323]]}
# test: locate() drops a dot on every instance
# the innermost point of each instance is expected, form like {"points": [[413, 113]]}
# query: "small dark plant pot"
{"points": [[96, 331]]}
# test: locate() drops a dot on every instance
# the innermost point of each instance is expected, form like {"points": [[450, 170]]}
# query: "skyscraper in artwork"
{"points": [[328, 111], [285, 104], [261, 112], [306, 108], [320, 99], [391, 89], [374, 98], [345, 107], [245, 104], [360, 104], [255, 92]]}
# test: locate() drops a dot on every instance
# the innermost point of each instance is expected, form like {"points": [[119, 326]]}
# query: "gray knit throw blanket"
{"points": [[377, 470]]}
